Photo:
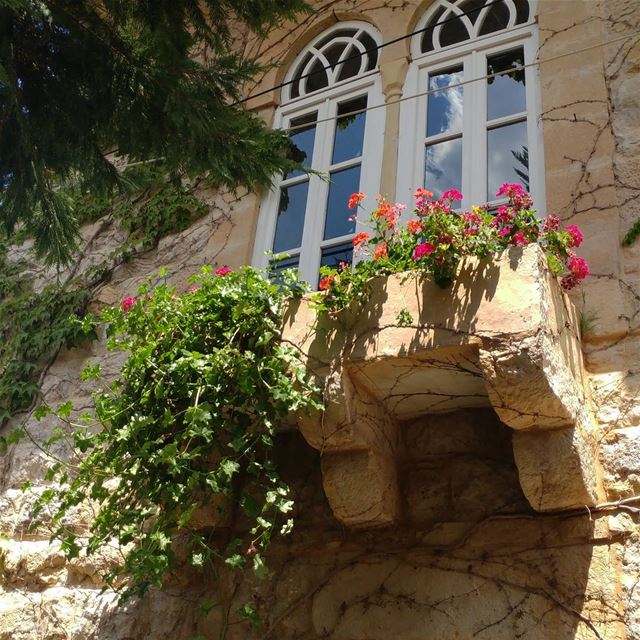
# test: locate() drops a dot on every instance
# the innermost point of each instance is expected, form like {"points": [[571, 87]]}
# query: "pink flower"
{"points": [[127, 304], [575, 235], [355, 199], [511, 189], [423, 249], [578, 267], [452, 195], [222, 271], [505, 231], [519, 239], [552, 223], [194, 288]]}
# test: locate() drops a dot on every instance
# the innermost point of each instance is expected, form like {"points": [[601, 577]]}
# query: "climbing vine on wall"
{"points": [[35, 325]]}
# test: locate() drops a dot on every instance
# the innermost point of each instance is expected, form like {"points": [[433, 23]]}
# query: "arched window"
{"points": [[326, 107], [475, 123]]}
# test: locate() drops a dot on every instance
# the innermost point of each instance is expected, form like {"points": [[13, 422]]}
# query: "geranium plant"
{"points": [[438, 235]]}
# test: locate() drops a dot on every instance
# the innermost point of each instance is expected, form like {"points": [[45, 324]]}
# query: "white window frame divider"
{"points": [[325, 102], [472, 55]]}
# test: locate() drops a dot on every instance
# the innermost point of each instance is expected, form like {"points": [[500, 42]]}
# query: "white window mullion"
{"points": [[534, 129], [317, 197]]}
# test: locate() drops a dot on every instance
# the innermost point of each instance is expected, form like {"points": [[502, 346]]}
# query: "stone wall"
{"points": [[468, 557]]}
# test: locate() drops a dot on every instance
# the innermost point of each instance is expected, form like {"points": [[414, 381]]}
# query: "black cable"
{"points": [[360, 54]]}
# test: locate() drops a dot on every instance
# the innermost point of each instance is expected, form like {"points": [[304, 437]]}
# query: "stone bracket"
{"points": [[357, 439]]}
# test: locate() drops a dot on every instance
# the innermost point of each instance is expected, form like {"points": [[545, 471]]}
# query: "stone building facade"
{"points": [[474, 476]]}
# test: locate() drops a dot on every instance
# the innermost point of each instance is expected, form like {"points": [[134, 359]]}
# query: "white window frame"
{"points": [[472, 55], [325, 102]]}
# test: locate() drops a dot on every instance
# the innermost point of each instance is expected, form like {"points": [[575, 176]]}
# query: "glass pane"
{"points": [[453, 32], [293, 202], [349, 131], [302, 140], [506, 94], [443, 166], [316, 78], [444, 108], [371, 48], [522, 11], [508, 157], [295, 86], [472, 8], [343, 184], [333, 256], [351, 65], [427, 38], [276, 267], [332, 53], [496, 19]]}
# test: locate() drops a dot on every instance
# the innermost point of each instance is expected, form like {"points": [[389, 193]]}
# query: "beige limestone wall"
{"points": [[469, 558]]}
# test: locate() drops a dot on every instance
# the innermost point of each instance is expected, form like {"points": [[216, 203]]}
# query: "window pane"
{"points": [[333, 256], [506, 94], [444, 108], [508, 157], [443, 166], [303, 140], [293, 202], [349, 130], [453, 32], [316, 78], [496, 19], [343, 184], [276, 267]]}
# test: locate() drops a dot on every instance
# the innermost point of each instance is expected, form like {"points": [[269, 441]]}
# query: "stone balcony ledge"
{"points": [[503, 336]]}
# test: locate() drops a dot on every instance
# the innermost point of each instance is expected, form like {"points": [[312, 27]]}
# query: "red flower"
{"points": [[360, 238], [127, 304], [519, 239], [356, 199], [423, 249], [451, 195], [575, 235], [415, 226], [578, 267], [380, 251], [222, 271], [326, 283]]}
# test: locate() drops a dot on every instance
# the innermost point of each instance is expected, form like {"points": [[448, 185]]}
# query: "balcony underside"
{"points": [[503, 336]]}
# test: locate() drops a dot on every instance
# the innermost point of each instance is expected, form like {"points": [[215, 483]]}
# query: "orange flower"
{"points": [[380, 251], [360, 238], [356, 199], [326, 283], [420, 192], [415, 226]]}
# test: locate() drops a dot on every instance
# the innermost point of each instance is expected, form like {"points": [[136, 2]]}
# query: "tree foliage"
{"points": [[145, 80]]}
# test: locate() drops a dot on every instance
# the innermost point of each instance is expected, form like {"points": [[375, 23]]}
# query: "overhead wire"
{"points": [[463, 82], [359, 54]]}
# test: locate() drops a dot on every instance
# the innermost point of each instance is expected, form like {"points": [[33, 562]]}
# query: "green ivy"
{"points": [[632, 234], [188, 424], [34, 327]]}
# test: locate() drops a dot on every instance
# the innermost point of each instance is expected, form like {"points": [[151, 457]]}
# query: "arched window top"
{"points": [[345, 51], [451, 22]]}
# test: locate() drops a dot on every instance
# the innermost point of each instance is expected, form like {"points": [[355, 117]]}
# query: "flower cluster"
{"points": [[440, 234]]}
